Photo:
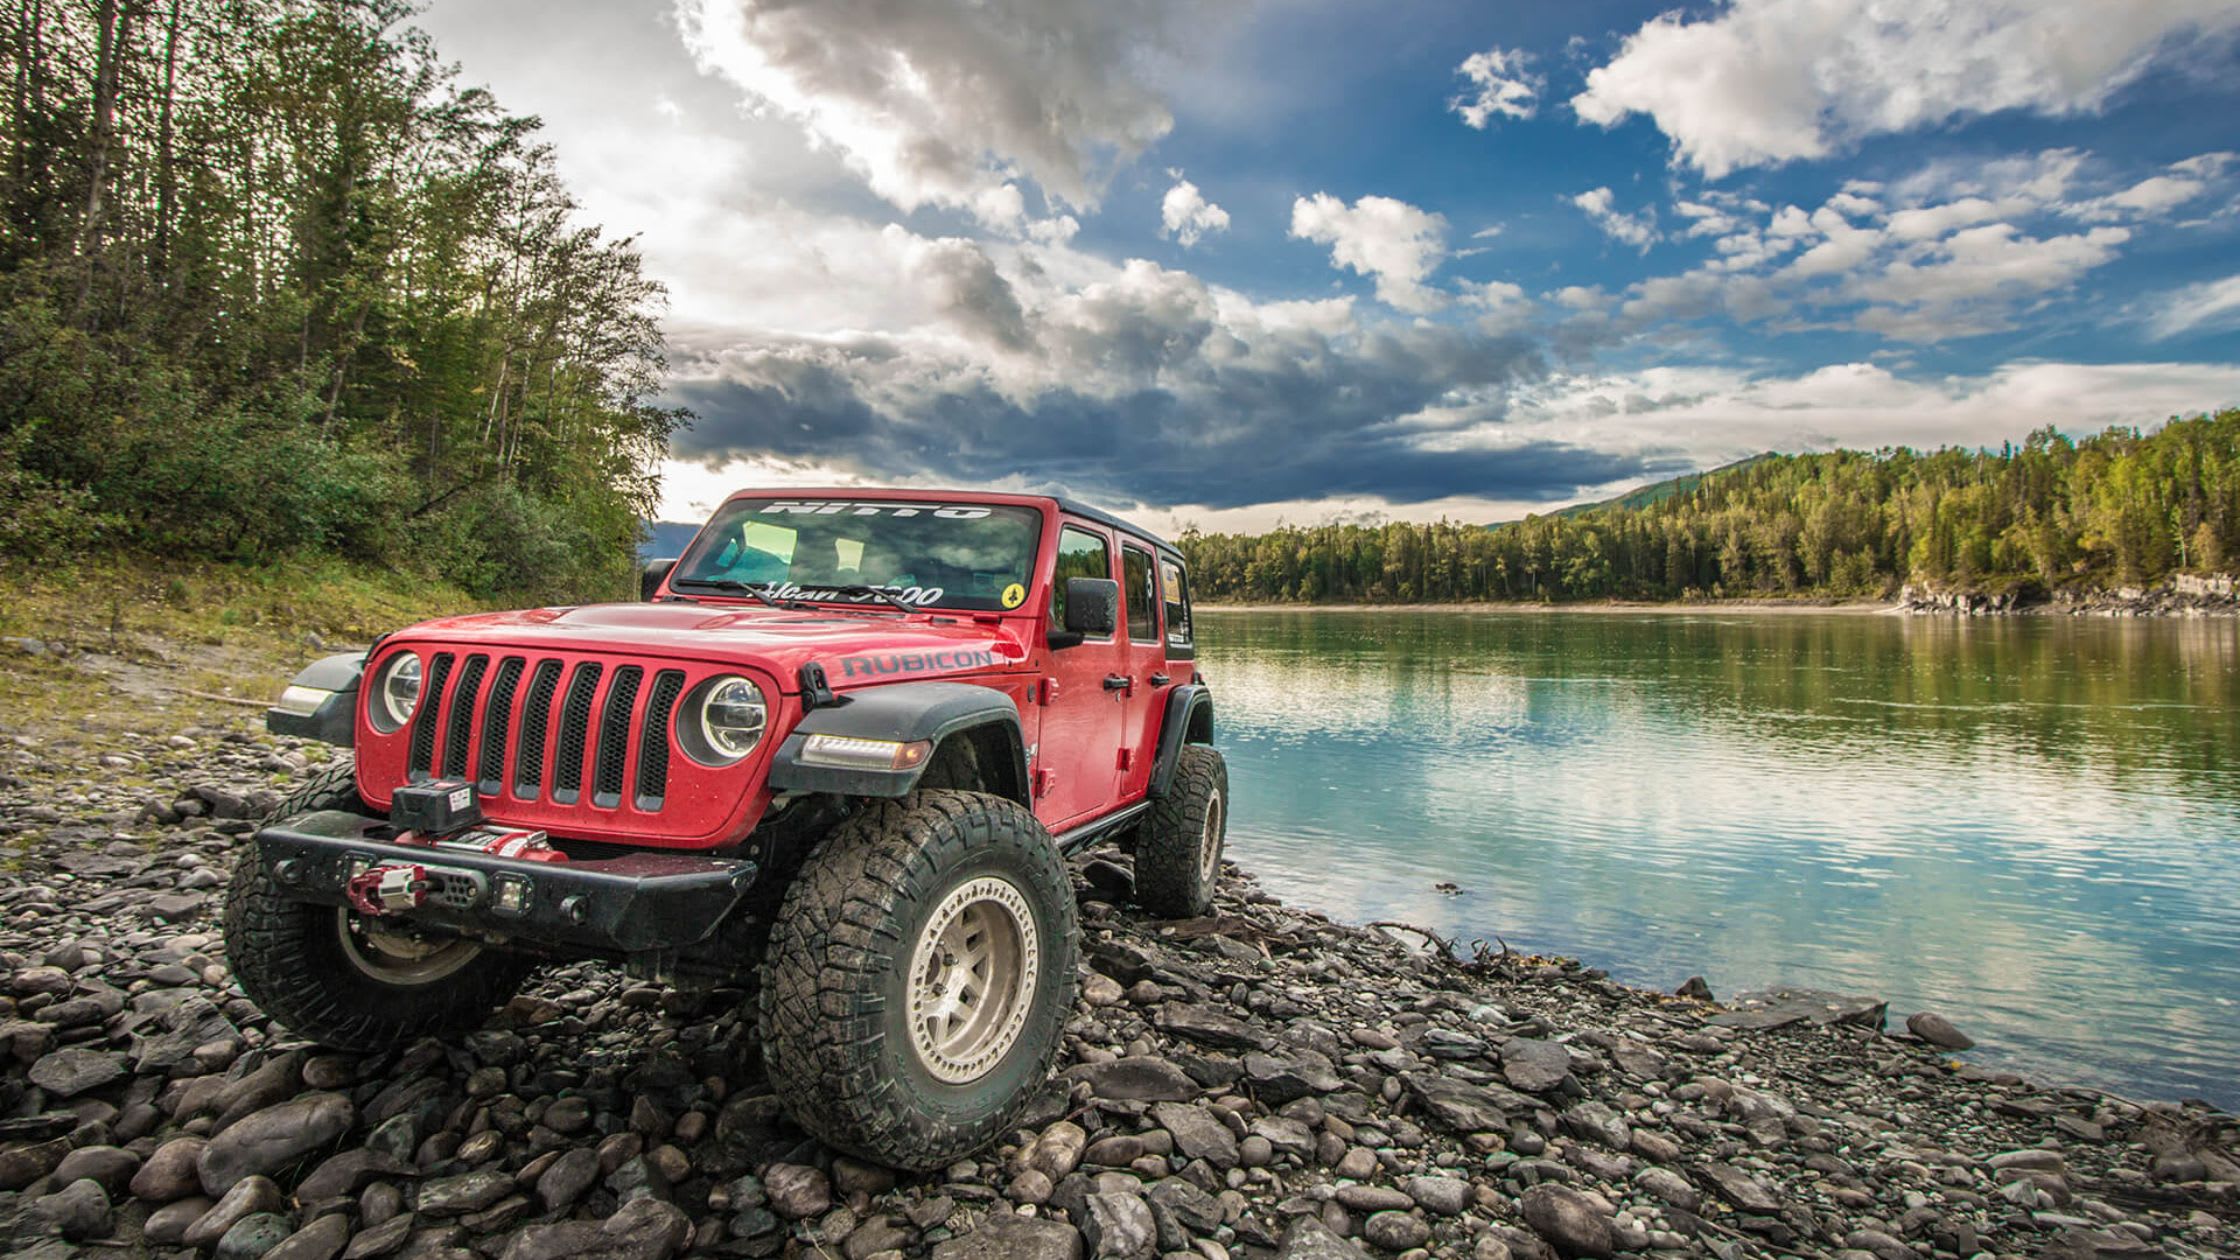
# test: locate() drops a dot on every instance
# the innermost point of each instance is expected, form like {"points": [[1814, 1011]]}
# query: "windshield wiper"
{"points": [[758, 590]]}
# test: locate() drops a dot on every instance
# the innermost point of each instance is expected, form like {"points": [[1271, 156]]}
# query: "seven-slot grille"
{"points": [[563, 724]]}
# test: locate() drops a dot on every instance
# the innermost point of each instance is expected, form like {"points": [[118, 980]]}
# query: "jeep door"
{"points": [[1144, 662], [1082, 715]]}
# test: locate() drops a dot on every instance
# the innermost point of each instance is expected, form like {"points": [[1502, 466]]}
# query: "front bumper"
{"points": [[633, 903]]}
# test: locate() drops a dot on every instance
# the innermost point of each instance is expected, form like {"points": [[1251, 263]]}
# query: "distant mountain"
{"points": [[1657, 491], [665, 540]]}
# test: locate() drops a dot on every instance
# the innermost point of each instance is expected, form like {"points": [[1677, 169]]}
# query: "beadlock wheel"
{"points": [[918, 978], [974, 964], [399, 957], [1209, 840]]}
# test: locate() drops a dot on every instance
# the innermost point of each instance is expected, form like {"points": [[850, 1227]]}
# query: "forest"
{"points": [[2119, 508], [272, 279]]}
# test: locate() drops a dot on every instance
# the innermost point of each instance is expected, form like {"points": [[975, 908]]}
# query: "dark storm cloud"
{"points": [[1215, 423]]}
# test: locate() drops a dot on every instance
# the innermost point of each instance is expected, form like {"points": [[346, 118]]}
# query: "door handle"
{"points": [[1116, 682], [1160, 680]]}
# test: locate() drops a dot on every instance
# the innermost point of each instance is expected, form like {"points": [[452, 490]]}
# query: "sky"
{"points": [[1225, 264]]}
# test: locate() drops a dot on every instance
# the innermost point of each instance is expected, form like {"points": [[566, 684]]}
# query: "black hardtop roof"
{"points": [[1102, 517]]}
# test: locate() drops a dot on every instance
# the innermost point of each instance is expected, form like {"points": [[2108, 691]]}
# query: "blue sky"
{"points": [[1228, 264]]}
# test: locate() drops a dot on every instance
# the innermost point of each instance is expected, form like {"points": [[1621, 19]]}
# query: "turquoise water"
{"points": [[2030, 826]]}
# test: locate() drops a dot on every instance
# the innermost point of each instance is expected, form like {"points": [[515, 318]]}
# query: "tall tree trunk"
{"points": [[166, 178], [115, 23]]}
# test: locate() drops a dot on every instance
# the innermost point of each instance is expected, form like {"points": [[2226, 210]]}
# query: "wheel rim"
{"points": [[972, 977], [400, 957], [1209, 843]]}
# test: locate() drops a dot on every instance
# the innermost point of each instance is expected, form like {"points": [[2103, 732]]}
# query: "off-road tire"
{"points": [[1174, 877], [288, 956], [834, 1001]]}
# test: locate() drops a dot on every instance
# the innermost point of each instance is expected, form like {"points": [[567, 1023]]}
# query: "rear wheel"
{"points": [[919, 977], [345, 980], [1178, 849]]}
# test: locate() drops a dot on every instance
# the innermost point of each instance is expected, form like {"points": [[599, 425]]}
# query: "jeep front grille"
{"points": [[565, 725]]}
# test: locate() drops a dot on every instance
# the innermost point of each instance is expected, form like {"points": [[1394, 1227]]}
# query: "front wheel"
{"points": [[918, 978], [344, 980], [1178, 849]]}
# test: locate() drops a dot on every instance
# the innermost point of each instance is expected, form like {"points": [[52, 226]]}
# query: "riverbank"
{"points": [[1260, 1082], [1768, 607]]}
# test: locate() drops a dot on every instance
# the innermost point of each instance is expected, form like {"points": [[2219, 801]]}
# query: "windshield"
{"points": [[929, 554]]}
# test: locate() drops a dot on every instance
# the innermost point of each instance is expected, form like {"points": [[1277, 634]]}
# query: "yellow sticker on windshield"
{"points": [[1014, 595]]}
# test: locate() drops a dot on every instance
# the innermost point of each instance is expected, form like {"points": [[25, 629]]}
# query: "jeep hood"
{"points": [[854, 648]]}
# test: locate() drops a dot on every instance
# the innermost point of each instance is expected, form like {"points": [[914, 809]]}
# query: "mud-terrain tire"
{"points": [[888, 1036], [1178, 848], [309, 968]]}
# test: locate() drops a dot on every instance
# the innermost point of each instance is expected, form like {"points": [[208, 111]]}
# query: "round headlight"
{"points": [[400, 690], [732, 717]]}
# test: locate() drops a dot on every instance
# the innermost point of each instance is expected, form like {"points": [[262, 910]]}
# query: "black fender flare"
{"points": [[906, 712], [1188, 720], [322, 702]]}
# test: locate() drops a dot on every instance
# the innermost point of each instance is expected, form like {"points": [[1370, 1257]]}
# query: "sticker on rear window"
{"points": [[840, 507]]}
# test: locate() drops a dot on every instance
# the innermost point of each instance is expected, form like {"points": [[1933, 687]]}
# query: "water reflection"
{"points": [[2027, 825]]}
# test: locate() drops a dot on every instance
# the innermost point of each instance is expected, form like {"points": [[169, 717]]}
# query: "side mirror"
{"points": [[651, 577], [1092, 607]]}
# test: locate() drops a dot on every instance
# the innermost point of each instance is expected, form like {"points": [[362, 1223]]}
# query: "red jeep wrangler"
{"points": [[837, 756]]}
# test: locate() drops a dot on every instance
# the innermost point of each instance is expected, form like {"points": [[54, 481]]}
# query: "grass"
{"points": [[140, 635]]}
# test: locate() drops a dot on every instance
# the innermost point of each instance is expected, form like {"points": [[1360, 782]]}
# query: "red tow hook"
{"points": [[388, 889]]}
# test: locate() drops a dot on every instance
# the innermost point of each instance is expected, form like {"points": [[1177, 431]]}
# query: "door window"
{"points": [[1177, 591], [1142, 598], [1080, 554]]}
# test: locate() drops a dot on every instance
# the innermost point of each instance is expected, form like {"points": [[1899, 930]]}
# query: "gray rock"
{"points": [[167, 1225], [1193, 1208], [170, 1173], [1056, 1151], [467, 1192], [1570, 1221], [1463, 1108], [1596, 1122], [350, 1172], [1446, 1196], [1396, 1231], [1670, 1187], [1197, 1134], [1209, 1026], [1533, 1065], [797, 1190], [381, 1239], [22, 1165], [1137, 1078], [253, 1236], [78, 1211], [1938, 1031], [249, 1196], [322, 1239], [1004, 1236], [1740, 1188], [266, 1141], [109, 1166], [1277, 1080], [1310, 1239], [1360, 1198], [569, 1176], [72, 1071], [1118, 1227]]}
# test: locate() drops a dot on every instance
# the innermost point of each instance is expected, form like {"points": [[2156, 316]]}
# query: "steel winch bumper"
{"points": [[632, 903]]}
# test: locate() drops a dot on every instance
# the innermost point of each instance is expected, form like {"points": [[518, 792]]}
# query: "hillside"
{"points": [[1658, 491], [2123, 508]]}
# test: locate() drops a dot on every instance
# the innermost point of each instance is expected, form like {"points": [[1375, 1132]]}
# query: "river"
{"points": [[2029, 825]]}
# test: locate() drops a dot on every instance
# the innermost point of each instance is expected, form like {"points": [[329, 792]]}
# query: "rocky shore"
{"points": [[2183, 595], [1261, 1082]]}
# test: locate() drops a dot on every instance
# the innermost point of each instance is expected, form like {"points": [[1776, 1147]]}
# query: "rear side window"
{"points": [[1135, 585], [1177, 589], [1080, 554]]}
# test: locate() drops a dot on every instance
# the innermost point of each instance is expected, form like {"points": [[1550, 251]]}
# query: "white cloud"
{"points": [[1392, 241], [1717, 414], [1186, 215], [1638, 229], [1500, 85], [2211, 304], [944, 102], [1762, 82]]}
